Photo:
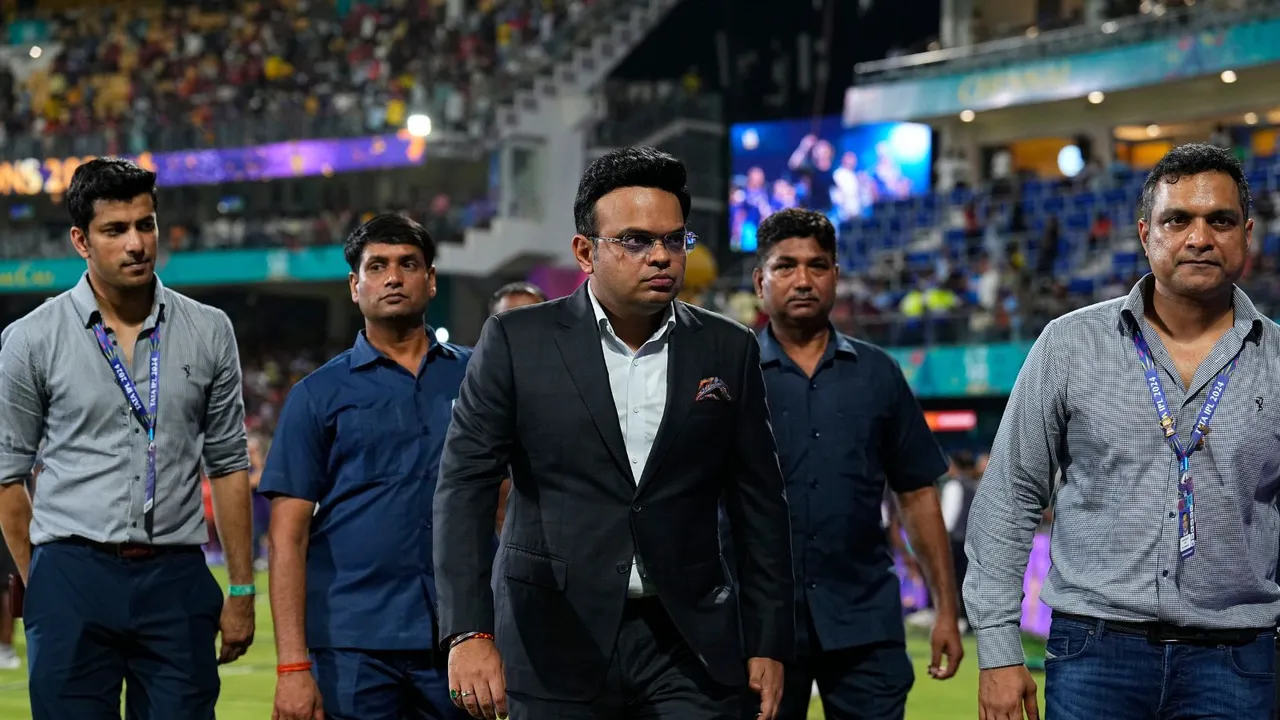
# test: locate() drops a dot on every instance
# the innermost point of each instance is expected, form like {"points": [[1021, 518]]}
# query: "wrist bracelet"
{"points": [[469, 636], [284, 668], [242, 590]]}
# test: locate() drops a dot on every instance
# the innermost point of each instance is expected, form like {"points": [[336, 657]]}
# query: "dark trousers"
{"points": [[653, 675], [383, 685], [95, 620], [1092, 672], [868, 682]]}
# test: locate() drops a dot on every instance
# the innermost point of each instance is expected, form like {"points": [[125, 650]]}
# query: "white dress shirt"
{"points": [[639, 383]]}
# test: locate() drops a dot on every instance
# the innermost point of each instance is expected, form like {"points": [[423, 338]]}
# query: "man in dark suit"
{"points": [[626, 416]]}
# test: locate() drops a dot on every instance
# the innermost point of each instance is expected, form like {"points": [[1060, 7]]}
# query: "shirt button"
{"points": [[635, 363], [136, 431], [816, 434], [635, 410], [813, 484], [813, 536], [812, 584], [1171, 514], [623, 568], [1165, 573], [634, 461], [813, 386], [137, 478], [135, 524]]}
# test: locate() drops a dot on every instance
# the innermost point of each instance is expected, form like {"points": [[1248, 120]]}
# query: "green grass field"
{"points": [[249, 684]]}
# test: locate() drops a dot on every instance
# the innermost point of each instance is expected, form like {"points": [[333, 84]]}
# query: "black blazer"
{"points": [[536, 396]]}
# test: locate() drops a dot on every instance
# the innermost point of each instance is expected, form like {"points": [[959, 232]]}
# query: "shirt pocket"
{"points": [[380, 443]]}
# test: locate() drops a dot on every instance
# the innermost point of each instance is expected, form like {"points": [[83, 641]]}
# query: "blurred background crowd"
{"points": [[982, 159]]}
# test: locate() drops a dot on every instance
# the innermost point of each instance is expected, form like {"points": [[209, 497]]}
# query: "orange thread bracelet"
{"points": [[293, 668], [469, 636]]}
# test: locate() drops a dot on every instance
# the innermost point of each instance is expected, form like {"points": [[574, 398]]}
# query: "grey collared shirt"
{"points": [[1081, 406], [56, 384]]}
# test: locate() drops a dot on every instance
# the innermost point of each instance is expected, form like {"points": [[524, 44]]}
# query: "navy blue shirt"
{"points": [[841, 434], [362, 437]]}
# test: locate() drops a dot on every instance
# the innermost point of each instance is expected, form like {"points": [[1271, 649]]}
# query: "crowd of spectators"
{"points": [[117, 78], [1010, 272], [445, 218]]}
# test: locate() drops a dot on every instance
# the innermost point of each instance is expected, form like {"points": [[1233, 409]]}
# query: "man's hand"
{"points": [[765, 677], [476, 680], [237, 624], [297, 698], [945, 640], [1003, 694]]}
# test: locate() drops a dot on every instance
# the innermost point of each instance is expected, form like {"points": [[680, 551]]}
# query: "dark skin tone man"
{"points": [[392, 286], [796, 283]]}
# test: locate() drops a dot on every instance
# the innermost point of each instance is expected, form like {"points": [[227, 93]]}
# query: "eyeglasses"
{"points": [[677, 243]]}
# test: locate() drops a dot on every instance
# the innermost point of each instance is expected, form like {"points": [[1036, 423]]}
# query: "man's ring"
{"points": [[453, 693], [464, 693]]}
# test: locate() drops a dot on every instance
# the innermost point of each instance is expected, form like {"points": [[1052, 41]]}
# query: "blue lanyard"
{"points": [[148, 414], [1168, 425]]}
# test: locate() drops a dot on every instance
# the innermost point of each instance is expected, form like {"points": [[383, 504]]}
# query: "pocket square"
{"points": [[712, 388]]}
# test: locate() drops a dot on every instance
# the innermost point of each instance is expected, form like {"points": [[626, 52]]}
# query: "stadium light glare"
{"points": [[442, 334], [36, 52], [1228, 76], [1251, 118], [1153, 131], [967, 116], [1096, 97], [1070, 161], [419, 125]]}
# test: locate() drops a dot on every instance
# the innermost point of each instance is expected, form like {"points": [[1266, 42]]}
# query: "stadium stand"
{"points": [[131, 78]]}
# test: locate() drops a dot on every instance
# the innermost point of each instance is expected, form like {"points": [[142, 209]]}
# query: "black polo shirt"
{"points": [[841, 434]]}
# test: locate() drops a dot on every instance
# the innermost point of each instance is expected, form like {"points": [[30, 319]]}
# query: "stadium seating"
{"points": [[265, 71], [910, 235]]}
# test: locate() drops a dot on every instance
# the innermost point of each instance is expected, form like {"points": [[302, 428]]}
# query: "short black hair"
{"points": [[794, 223], [515, 288], [1193, 159], [389, 229], [627, 167], [106, 178]]}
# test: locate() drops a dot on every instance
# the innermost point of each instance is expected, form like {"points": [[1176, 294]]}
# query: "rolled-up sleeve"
{"points": [[1012, 496], [226, 447], [22, 405]]}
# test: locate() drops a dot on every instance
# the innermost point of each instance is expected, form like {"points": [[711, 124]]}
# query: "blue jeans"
{"points": [[1092, 673]]}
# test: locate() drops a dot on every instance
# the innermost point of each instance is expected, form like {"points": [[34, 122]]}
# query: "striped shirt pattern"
{"points": [[56, 385], [1081, 406]]}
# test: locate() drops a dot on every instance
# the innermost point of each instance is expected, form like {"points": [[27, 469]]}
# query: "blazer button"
{"points": [[623, 568], [635, 508]]}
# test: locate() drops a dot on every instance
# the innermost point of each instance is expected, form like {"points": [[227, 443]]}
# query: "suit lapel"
{"points": [[682, 385], [579, 342]]}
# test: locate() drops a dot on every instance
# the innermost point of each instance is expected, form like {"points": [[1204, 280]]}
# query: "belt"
{"points": [[1166, 634], [129, 551]]}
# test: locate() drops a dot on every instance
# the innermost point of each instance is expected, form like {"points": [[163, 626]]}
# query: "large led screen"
{"points": [[822, 165]]}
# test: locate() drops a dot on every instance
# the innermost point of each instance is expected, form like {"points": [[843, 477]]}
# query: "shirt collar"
{"points": [[1248, 321], [837, 343], [364, 354], [86, 303], [602, 320]]}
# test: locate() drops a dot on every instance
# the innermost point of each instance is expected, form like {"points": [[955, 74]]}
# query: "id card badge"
{"points": [[1186, 515]]}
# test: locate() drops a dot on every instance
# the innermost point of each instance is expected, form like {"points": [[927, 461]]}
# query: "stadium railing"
{"points": [[1200, 17]]}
